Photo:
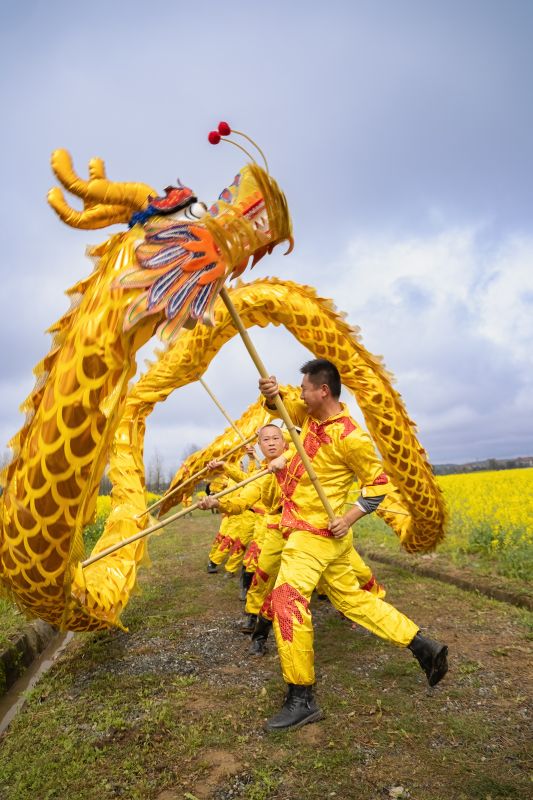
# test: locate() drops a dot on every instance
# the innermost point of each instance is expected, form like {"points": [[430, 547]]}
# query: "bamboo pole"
{"points": [[194, 477], [282, 411], [141, 534], [221, 408]]}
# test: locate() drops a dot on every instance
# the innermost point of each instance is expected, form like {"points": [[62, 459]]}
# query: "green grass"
{"points": [[12, 621], [123, 716], [476, 551]]}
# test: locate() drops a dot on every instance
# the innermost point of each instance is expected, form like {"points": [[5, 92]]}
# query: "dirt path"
{"points": [[174, 709]]}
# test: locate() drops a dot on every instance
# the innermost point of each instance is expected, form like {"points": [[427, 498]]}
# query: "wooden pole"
{"points": [[194, 477], [159, 525], [221, 408], [282, 411]]}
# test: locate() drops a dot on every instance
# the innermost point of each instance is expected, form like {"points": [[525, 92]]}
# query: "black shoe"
{"points": [[432, 657], [260, 636], [212, 568], [248, 623], [246, 579], [299, 709]]}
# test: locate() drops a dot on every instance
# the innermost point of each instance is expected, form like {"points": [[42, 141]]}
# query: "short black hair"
{"points": [[319, 371]]}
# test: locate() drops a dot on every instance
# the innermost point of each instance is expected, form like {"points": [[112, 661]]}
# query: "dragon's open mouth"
{"points": [[258, 216]]}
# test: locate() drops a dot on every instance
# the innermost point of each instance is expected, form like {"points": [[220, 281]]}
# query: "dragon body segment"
{"points": [[80, 405], [60, 454], [315, 323]]}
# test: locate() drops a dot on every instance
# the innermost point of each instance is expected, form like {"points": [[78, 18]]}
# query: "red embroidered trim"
{"points": [[289, 478], [259, 574], [382, 478], [237, 547], [257, 510], [266, 608], [282, 604], [367, 587], [252, 555], [226, 544], [290, 520]]}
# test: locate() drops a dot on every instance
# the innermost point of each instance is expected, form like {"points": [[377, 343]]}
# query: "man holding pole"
{"points": [[235, 532], [319, 547]]}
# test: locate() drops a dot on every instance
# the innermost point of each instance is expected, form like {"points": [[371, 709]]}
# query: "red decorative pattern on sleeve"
{"points": [[382, 478]]}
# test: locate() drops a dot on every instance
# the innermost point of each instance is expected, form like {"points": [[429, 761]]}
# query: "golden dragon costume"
{"points": [[165, 271]]}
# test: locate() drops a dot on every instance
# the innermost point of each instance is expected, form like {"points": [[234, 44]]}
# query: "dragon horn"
{"points": [[105, 202]]}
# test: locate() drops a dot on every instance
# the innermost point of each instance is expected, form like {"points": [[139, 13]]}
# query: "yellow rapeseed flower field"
{"points": [[501, 501], [103, 503], [490, 524], [92, 532], [491, 515]]}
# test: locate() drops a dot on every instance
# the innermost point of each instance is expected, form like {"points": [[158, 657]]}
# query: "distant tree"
{"points": [[155, 478], [188, 450]]}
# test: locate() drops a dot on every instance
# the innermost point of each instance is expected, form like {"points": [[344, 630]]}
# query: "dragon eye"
{"points": [[197, 210]]}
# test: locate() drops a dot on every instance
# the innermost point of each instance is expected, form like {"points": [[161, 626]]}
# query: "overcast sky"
{"points": [[401, 134]]}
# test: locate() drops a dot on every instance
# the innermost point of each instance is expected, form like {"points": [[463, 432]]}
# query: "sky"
{"points": [[400, 132]]}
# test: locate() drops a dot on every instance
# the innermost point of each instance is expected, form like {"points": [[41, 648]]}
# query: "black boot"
{"points": [[248, 623], [246, 581], [212, 567], [298, 709], [432, 657], [260, 636]]}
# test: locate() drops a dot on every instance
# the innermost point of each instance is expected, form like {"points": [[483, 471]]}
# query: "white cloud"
{"points": [[451, 314]]}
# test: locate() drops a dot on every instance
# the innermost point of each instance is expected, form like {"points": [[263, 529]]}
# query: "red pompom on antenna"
{"points": [[214, 137], [224, 129]]}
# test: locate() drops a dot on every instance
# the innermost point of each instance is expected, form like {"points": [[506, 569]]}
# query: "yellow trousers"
{"points": [[305, 559], [269, 563], [225, 539], [242, 536], [253, 552], [215, 552], [266, 570]]}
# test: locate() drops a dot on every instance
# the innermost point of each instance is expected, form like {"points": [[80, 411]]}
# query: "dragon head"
{"points": [[185, 251]]}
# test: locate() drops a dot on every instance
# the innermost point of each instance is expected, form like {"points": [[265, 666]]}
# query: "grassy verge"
{"points": [[511, 566], [174, 708], [12, 621]]}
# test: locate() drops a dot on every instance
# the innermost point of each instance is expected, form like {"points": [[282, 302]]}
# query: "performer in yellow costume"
{"points": [[246, 501], [318, 548], [276, 537], [267, 492], [235, 532]]}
